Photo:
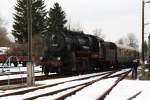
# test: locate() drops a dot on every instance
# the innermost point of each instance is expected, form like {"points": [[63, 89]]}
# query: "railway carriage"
{"points": [[126, 55]]}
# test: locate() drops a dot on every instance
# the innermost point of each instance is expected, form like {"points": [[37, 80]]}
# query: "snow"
{"points": [[128, 88], [10, 70], [124, 90], [125, 70], [17, 69], [94, 91], [57, 95], [46, 90]]}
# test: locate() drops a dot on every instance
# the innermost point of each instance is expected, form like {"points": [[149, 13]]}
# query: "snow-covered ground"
{"points": [[9, 71], [124, 90], [128, 88], [17, 69]]}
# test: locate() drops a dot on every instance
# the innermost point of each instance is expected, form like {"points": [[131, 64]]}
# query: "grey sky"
{"points": [[116, 18]]}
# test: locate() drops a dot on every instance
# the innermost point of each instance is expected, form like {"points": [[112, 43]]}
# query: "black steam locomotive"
{"points": [[75, 52]]}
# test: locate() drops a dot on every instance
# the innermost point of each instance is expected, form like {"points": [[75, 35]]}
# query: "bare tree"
{"points": [[98, 32], [76, 27], [132, 40], [120, 41], [129, 40], [3, 30], [4, 41]]}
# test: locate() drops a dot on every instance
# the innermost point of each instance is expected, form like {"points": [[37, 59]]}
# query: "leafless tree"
{"points": [[98, 32], [77, 27], [4, 41], [132, 40], [120, 41], [129, 40], [2, 28]]}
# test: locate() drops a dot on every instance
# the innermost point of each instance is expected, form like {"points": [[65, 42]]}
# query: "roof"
{"points": [[126, 47], [110, 44]]}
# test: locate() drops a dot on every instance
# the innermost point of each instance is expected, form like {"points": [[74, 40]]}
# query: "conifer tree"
{"points": [[56, 19], [20, 20]]}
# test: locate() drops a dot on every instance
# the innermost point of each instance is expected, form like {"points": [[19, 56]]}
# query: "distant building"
{"points": [[3, 50]]}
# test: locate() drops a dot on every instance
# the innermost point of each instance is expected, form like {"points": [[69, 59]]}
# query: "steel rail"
{"points": [[64, 89], [135, 95], [102, 97], [46, 86]]}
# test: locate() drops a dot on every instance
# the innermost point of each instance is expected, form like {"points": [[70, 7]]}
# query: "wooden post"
{"points": [[30, 68], [143, 31]]}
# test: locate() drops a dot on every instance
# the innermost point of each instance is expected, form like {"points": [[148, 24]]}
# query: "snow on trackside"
{"points": [[18, 69], [17, 76], [84, 94], [128, 88], [6, 74], [124, 90], [119, 72], [54, 97], [46, 90], [94, 91], [66, 79], [49, 82]]}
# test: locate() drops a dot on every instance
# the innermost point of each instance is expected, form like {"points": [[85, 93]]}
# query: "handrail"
{"points": [[8, 62]]}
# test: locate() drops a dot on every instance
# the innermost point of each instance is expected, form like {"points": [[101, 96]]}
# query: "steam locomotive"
{"points": [[75, 52]]}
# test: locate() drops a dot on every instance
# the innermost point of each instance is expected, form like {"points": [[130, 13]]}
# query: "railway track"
{"points": [[54, 77], [92, 82], [102, 97], [134, 96], [37, 78], [86, 81]]}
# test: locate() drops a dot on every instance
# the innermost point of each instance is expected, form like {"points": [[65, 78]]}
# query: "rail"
{"points": [[102, 97]]}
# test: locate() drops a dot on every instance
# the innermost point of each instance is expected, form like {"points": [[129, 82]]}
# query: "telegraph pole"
{"points": [[143, 4], [149, 49], [30, 68]]}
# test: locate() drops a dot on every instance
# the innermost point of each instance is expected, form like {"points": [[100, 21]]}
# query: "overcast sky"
{"points": [[116, 18]]}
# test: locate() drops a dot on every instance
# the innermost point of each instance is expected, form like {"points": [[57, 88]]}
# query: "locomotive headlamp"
{"points": [[41, 58], [59, 58]]}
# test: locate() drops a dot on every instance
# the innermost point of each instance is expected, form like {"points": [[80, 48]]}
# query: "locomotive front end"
{"points": [[52, 59]]}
